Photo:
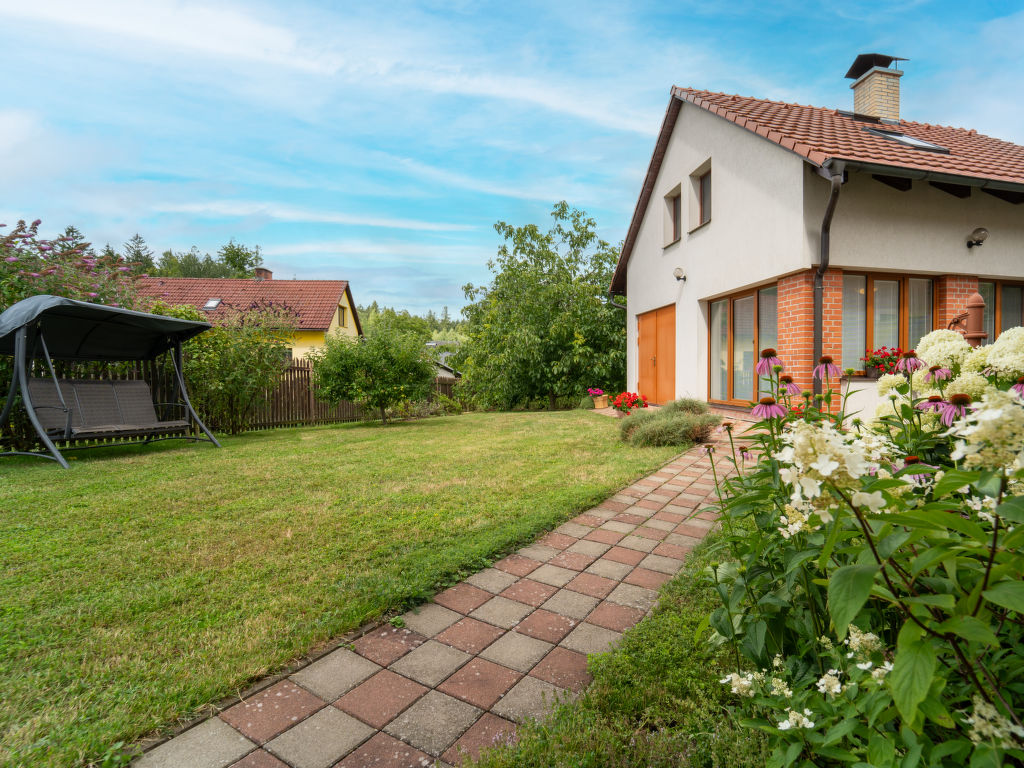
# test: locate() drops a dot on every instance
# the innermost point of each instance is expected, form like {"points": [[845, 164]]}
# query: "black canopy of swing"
{"points": [[78, 330], [55, 328]]}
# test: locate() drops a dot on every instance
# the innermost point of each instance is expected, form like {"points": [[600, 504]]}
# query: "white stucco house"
{"points": [[814, 231]]}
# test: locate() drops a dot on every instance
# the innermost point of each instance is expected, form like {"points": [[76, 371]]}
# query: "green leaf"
{"points": [[1008, 594], [955, 478], [990, 483], [753, 640], [985, 756], [970, 628], [1012, 509], [912, 670], [848, 590], [881, 751]]}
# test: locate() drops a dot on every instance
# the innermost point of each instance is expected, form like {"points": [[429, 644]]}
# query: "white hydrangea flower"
{"points": [[878, 673], [742, 685], [977, 360], [796, 720], [862, 643], [1006, 355], [988, 724], [829, 683], [873, 501], [992, 435], [888, 382], [969, 383], [943, 347], [779, 688]]}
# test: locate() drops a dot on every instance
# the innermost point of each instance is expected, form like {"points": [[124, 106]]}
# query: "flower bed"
{"points": [[871, 573]]}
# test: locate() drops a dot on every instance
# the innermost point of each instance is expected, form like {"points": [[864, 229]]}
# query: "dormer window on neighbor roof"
{"points": [[910, 141], [211, 305]]}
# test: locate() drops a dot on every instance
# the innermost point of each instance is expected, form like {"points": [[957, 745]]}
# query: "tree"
{"points": [[543, 328], [378, 371], [389, 320], [139, 256], [241, 259]]}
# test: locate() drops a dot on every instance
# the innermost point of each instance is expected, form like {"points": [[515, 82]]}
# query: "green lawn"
{"points": [[146, 582]]}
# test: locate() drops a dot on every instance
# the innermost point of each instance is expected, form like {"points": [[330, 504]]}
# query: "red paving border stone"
{"points": [[530, 592], [272, 711], [467, 685], [517, 565], [387, 645], [470, 635]]}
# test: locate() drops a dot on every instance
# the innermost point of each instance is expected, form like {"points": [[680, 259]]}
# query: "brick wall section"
{"points": [[796, 322], [952, 292], [878, 94]]}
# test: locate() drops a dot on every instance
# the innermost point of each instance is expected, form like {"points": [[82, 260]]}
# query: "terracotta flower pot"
{"points": [[601, 401]]}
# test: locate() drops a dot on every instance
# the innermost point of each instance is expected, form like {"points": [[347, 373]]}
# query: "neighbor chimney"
{"points": [[262, 273], [876, 86]]}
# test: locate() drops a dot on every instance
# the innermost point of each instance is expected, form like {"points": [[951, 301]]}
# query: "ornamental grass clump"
{"points": [[681, 422], [872, 575]]}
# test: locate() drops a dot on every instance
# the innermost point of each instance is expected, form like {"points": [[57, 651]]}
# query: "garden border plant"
{"points": [[871, 582]]}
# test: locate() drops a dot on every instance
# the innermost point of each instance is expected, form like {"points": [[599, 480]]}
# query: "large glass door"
{"points": [[738, 328]]}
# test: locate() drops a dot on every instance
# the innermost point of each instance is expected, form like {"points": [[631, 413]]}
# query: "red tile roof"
{"points": [[826, 136], [315, 301], [819, 134]]}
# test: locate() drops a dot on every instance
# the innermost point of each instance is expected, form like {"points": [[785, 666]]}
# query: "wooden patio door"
{"points": [[657, 354]]}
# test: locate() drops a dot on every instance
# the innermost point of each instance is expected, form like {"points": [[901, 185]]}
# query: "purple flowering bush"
{"points": [[62, 266], [872, 574]]}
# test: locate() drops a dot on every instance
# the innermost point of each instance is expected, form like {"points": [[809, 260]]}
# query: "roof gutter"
{"points": [[611, 300], [835, 177]]}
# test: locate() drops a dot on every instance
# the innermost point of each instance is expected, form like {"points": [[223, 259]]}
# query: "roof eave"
{"points": [[923, 175], [618, 285]]}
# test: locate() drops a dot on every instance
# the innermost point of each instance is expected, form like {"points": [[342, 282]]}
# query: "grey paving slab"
{"points": [[211, 744], [321, 740], [434, 723], [431, 663], [594, 548], [588, 638], [565, 602], [661, 525], [553, 575], [610, 569], [516, 651], [503, 612], [529, 699], [633, 596], [662, 564], [573, 529], [642, 511], [680, 540], [538, 552], [617, 527], [335, 674], [601, 514], [492, 580], [639, 543], [430, 619]]}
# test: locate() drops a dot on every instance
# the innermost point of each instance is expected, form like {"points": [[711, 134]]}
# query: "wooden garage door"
{"points": [[657, 355]]}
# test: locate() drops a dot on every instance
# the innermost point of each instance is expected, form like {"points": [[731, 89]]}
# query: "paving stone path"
{"points": [[488, 653]]}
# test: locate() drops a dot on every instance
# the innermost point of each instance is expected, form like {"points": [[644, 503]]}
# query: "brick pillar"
{"points": [[832, 317], [796, 326], [952, 292]]}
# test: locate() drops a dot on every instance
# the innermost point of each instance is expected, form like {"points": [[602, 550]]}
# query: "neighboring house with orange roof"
{"points": [[824, 232], [321, 307]]}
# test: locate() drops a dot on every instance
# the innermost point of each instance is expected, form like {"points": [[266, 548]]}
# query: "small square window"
{"points": [[211, 304], [341, 316], [705, 198], [700, 196], [673, 216]]}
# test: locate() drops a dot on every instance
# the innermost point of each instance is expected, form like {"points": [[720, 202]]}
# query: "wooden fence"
{"points": [[294, 403]]}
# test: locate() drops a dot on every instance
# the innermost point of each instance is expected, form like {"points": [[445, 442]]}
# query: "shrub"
{"points": [[872, 581], [586, 403], [634, 420], [685, 405], [672, 428]]}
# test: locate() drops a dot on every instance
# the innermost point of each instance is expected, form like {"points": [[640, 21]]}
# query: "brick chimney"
{"points": [[876, 86], [262, 273]]}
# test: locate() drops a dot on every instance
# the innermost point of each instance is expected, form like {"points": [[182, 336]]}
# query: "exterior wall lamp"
{"points": [[977, 237], [678, 273]]}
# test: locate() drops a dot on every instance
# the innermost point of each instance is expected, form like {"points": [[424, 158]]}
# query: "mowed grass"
{"points": [[145, 583]]}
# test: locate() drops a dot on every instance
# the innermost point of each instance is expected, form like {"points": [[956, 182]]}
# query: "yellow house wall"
{"points": [[306, 341]]}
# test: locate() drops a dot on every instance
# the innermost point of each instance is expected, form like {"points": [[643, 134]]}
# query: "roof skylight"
{"points": [[909, 141], [211, 304]]}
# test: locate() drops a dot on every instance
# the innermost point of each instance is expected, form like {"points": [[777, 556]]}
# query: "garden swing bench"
{"points": [[49, 328]]}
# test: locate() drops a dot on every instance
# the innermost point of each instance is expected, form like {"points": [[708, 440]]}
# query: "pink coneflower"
{"points": [[788, 385], [769, 359], [909, 362], [938, 373], [1019, 386], [955, 408], [767, 408], [826, 368], [908, 461], [933, 403]]}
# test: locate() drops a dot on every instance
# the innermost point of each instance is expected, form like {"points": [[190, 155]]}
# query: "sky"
{"points": [[380, 142]]}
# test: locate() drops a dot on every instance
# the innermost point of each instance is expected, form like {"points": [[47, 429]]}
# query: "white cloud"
{"points": [[406, 253], [290, 213]]}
